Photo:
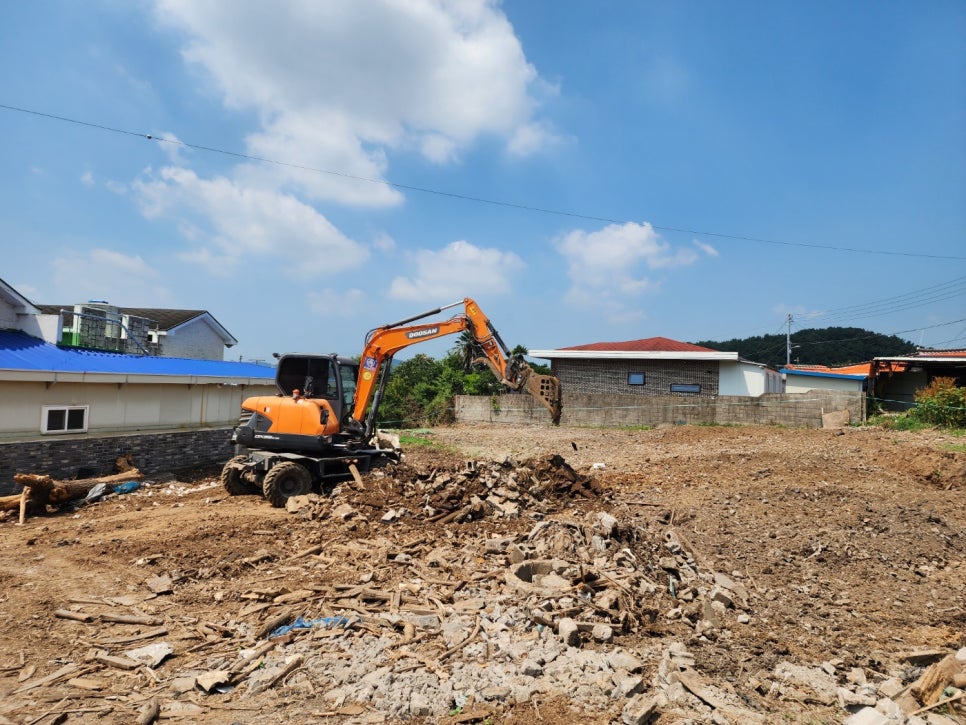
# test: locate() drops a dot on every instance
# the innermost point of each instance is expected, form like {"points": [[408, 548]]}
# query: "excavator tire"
{"points": [[232, 480], [285, 480]]}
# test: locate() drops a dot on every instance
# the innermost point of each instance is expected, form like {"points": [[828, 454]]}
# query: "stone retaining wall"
{"points": [[84, 457], [795, 410]]}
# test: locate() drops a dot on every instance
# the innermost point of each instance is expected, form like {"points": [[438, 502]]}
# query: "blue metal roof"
{"points": [[19, 351]]}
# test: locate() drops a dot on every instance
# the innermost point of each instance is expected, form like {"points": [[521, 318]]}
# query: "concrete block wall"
{"points": [[609, 377], [90, 457], [795, 410]]}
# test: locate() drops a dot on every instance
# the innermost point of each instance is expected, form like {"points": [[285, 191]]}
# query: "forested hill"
{"points": [[826, 346]]}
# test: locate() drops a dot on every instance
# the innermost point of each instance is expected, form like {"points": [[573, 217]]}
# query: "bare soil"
{"points": [[852, 545]]}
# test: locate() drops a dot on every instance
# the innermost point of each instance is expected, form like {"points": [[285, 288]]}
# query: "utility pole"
{"points": [[788, 340]]}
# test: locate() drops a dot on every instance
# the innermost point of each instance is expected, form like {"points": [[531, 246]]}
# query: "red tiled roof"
{"points": [[650, 344]]}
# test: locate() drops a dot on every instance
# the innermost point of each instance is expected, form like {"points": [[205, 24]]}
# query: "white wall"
{"points": [[804, 383], [47, 327], [195, 339], [748, 379], [124, 408]]}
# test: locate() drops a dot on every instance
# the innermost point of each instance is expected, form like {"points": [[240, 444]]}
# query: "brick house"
{"points": [[658, 367]]}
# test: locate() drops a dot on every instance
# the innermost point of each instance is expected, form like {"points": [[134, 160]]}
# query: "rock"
{"points": [[743, 618], [390, 516], [419, 705], [849, 699], [890, 709], [294, 504], [868, 716], [496, 546], [181, 685], [628, 686], [813, 678], [639, 710], [531, 668], [497, 692], [520, 553], [622, 660], [568, 632], [602, 632], [343, 511], [718, 594], [606, 523]]}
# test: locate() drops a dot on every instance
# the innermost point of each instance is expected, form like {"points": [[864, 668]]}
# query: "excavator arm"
{"points": [[384, 342]]}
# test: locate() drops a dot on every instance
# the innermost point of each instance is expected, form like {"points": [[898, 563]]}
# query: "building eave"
{"points": [[632, 355]]}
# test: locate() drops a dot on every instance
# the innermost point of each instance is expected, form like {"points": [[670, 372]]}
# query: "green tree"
{"points": [[831, 346], [421, 390], [410, 388], [941, 403]]}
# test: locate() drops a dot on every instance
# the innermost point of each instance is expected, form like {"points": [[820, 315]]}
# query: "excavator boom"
{"points": [[384, 342]]}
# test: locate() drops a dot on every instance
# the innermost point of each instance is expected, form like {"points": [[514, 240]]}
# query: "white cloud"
{"points": [[456, 271], [87, 179], [605, 266], [122, 279], [384, 243], [116, 187], [707, 248], [233, 222], [172, 147], [339, 304], [338, 83]]}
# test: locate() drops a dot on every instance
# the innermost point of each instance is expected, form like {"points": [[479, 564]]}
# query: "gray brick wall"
{"points": [[795, 410], [609, 377], [89, 457]]}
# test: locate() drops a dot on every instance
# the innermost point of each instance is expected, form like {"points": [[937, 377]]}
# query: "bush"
{"points": [[941, 403]]}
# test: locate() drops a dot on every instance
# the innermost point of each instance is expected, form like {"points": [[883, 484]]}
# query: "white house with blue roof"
{"points": [[74, 396]]}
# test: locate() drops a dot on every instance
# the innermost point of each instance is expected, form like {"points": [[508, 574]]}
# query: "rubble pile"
{"points": [[452, 594]]}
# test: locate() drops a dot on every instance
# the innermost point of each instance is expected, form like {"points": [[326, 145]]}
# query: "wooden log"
{"points": [[76, 616], [146, 620], [39, 490]]}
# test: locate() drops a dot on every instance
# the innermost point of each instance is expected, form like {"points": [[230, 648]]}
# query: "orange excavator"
{"points": [[320, 427]]}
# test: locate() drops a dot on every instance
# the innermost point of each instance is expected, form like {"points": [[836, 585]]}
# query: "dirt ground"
{"points": [[851, 545]]}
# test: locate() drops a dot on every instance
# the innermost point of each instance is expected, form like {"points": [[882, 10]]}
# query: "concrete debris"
{"points": [[476, 619]]}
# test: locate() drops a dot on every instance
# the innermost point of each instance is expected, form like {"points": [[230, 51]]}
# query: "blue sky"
{"points": [[587, 171]]}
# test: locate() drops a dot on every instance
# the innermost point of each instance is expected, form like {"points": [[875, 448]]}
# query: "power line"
{"points": [[909, 300], [886, 334], [468, 197]]}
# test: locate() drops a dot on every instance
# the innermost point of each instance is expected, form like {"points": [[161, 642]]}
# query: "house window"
{"points": [[64, 419], [685, 388], [635, 378]]}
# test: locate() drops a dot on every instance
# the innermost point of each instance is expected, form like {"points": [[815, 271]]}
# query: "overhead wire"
{"points": [[469, 197], [910, 300]]}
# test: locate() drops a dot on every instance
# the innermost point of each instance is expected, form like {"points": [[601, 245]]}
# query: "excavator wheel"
{"points": [[231, 479], [285, 480]]}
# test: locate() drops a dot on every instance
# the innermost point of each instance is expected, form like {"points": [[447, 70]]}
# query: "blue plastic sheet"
{"points": [[301, 623]]}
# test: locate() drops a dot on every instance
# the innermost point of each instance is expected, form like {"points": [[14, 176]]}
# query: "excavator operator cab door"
{"points": [[348, 374]]}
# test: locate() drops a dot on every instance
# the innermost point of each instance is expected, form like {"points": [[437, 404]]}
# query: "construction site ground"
{"points": [[838, 551]]}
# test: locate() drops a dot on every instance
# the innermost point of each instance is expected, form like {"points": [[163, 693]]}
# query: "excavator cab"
{"points": [[318, 376]]}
